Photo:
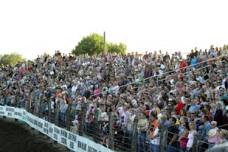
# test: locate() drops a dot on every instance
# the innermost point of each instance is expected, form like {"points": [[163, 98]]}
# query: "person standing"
{"points": [[191, 137], [172, 136], [154, 133]]}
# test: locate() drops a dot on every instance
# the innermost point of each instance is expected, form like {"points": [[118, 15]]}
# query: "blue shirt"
{"points": [[206, 128], [193, 62], [194, 108], [181, 130], [195, 92]]}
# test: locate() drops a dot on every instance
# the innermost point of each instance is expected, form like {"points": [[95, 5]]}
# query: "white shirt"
{"points": [[191, 138], [156, 140], [74, 88]]}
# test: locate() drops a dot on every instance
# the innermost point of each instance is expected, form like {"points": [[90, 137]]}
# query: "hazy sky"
{"points": [[31, 27]]}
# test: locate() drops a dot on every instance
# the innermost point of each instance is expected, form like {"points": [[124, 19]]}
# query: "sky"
{"points": [[32, 27]]}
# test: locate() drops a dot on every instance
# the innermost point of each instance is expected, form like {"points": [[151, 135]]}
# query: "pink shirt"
{"points": [[97, 92]]}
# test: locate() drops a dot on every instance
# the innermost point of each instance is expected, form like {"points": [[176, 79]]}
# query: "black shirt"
{"points": [[172, 130]]}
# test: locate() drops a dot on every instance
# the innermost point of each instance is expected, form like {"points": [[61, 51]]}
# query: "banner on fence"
{"points": [[2, 111], [62, 136]]}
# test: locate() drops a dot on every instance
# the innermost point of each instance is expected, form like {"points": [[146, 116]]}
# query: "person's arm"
{"points": [[173, 139]]}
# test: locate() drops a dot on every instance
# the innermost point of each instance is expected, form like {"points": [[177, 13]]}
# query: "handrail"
{"points": [[190, 66]]}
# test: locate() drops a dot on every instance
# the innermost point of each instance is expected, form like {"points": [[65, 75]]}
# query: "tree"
{"points": [[117, 48], [92, 44], [11, 59]]}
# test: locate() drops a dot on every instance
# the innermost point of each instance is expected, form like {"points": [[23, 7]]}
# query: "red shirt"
{"points": [[183, 65], [179, 107]]}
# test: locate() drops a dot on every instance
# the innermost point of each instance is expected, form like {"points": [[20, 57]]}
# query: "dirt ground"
{"points": [[18, 137]]}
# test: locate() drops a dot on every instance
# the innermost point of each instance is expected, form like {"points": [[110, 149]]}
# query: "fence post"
{"points": [[111, 134], [68, 116], [163, 139], [195, 147], [49, 110], [27, 102], [57, 109], [82, 119], [30, 103], [134, 136]]}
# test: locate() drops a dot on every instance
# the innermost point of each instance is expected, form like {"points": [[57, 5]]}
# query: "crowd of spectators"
{"points": [[187, 96]]}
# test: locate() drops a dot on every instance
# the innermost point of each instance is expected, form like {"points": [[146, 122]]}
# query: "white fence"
{"points": [[72, 141]]}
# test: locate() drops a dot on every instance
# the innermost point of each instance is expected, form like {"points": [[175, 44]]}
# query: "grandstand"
{"points": [[144, 103]]}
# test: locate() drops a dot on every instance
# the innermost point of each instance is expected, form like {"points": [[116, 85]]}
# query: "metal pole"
{"points": [[49, 109], [111, 134], [57, 109], [68, 116], [134, 136], [104, 42]]}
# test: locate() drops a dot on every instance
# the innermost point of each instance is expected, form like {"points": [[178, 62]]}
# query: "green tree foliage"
{"points": [[11, 59], [117, 48], [94, 44]]}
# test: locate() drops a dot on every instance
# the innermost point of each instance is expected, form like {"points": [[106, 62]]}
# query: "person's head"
{"points": [[205, 119], [223, 133], [141, 116], [147, 107], [194, 100], [153, 116], [183, 120], [173, 120], [186, 125], [214, 124], [192, 126]]}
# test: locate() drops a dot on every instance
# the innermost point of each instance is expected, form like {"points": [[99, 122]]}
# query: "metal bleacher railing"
{"points": [[114, 136]]}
